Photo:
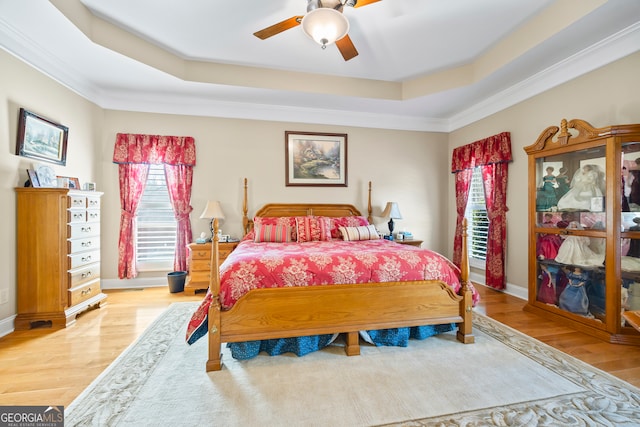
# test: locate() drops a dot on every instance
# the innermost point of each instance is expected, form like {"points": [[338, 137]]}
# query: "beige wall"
{"points": [[610, 95]]}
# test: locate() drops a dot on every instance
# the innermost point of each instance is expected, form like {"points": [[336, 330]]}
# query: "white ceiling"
{"points": [[432, 65]]}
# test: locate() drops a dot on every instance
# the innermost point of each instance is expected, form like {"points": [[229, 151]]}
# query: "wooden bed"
{"points": [[302, 311]]}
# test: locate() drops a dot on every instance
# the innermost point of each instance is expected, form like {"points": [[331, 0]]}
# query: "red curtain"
{"points": [[133, 179], [463, 181], [133, 153], [493, 155], [179, 179]]}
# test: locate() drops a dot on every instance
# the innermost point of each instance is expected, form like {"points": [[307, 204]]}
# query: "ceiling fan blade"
{"points": [[346, 48], [361, 3], [265, 33]]}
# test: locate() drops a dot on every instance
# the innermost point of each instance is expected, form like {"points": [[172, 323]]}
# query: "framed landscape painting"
{"points": [[41, 139], [316, 159]]}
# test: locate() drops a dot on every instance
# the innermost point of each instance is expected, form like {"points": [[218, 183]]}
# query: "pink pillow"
{"points": [[313, 228], [367, 232], [286, 221], [272, 233], [346, 221]]}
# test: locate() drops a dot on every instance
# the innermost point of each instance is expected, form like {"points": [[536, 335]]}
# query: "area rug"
{"points": [[504, 379]]}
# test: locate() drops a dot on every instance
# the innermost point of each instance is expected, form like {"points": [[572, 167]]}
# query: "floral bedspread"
{"points": [[271, 265]]}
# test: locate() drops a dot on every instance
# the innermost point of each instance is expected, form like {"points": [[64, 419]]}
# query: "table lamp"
{"points": [[212, 211], [391, 211]]}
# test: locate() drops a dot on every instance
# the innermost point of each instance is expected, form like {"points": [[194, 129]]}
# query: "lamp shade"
{"points": [[212, 210], [325, 25], [392, 211]]}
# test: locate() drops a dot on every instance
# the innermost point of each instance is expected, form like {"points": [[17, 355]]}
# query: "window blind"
{"points": [[156, 223], [477, 220]]}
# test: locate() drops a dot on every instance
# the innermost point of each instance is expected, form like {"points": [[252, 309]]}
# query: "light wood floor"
{"points": [[51, 367]]}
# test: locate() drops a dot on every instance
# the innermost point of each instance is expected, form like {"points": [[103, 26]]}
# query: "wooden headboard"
{"points": [[301, 209]]}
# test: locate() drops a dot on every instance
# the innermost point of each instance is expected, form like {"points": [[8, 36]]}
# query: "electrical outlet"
{"points": [[4, 296]]}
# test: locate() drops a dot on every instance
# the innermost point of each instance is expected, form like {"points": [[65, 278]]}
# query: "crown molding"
{"points": [[617, 46]]}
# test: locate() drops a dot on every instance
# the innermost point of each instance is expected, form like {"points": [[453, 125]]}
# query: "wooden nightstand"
{"points": [[412, 242], [200, 264]]}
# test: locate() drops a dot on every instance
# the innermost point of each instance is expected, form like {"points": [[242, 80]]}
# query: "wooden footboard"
{"points": [[292, 312], [327, 309]]}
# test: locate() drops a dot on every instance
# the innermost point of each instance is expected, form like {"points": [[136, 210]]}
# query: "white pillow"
{"points": [[367, 232]]}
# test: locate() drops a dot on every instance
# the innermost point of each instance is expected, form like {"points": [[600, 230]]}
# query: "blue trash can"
{"points": [[176, 281]]}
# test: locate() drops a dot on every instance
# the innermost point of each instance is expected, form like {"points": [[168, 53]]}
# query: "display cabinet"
{"points": [[584, 227]]}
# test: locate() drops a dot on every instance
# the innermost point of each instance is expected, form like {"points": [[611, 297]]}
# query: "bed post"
{"points": [[215, 358], [465, 330], [369, 210], [245, 218]]}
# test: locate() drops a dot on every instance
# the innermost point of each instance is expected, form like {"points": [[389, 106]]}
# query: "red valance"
{"points": [[494, 149], [134, 148]]}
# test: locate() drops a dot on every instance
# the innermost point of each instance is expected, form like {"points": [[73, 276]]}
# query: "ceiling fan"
{"points": [[324, 23]]}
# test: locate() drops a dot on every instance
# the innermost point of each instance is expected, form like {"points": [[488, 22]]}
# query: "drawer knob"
{"points": [[86, 229], [86, 244], [87, 274], [85, 292], [86, 258]]}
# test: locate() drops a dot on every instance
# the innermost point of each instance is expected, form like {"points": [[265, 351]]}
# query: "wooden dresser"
{"points": [[58, 255], [200, 264]]}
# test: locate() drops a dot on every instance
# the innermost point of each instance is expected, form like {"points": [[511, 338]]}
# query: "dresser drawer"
{"points": [[84, 292], [77, 201], [85, 274], [80, 245], [76, 216], [201, 254], [84, 258], [93, 202], [200, 265], [199, 276], [93, 215], [84, 230]]}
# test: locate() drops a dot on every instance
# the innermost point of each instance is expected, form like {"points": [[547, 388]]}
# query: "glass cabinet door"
{"points": [[570, 233], [630, 225]]}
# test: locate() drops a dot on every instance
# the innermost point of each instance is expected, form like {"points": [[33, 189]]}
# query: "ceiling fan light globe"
{"points": [[325, 26]]}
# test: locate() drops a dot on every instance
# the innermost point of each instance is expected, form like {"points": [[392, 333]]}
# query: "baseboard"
{"points": [[138, 283], [511, 289], [6, 325]]}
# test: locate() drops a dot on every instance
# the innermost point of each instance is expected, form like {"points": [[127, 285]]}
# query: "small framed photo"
{"points": [[33, 178], [41, 139], [63, 181], [74, 183], [89, 186], [315, 159]]}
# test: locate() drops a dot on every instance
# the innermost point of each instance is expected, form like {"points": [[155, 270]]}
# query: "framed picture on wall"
{"points": [[41, 139], [315, 159]]}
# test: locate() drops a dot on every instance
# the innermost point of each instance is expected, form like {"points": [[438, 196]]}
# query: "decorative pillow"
{"points": [[272, 233], [286, 221], [367, 232], [313, 228], [346, 221]]}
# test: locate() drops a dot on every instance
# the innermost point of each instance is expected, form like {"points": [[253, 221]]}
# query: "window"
{"points": [[156, 224], [477, 221]]}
